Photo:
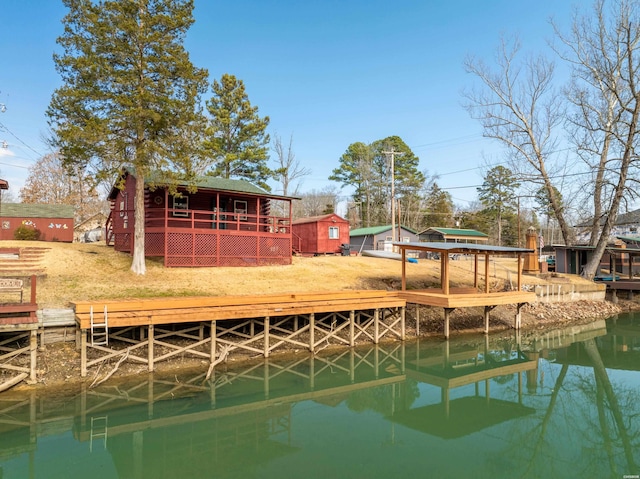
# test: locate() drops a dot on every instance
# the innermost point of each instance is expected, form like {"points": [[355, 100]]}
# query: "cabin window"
{"points": [[334, 232], [406, 239], [180, 206], [240, 207]]}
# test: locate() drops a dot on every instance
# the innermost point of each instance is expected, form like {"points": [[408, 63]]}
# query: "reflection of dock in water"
{"points": [[204, 423], [455, 368]]}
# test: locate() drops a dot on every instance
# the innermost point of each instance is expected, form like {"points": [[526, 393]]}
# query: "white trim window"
{"points": [[240, 207], [334, 232], [180, 203]]}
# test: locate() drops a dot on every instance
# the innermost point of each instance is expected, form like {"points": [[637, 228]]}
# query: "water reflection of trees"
{"points": [[612, 430]]}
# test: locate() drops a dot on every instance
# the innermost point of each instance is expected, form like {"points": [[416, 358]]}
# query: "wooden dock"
{"points": [[450, 298], [152, 330]]}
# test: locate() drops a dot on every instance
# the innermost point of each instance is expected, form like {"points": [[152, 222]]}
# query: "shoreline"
{"points": [[58, 364]]}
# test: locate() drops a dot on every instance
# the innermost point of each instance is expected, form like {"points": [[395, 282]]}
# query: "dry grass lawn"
{"points": [[75, 272]]}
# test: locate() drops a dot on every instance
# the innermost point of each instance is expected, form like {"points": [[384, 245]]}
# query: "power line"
{"points": [[4, 127]]}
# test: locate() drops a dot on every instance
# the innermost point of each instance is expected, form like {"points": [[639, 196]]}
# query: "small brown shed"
{"points": [[326, 234]]}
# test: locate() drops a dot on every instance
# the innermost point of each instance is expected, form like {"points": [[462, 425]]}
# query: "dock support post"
{"points": [[33, 346], [312, 327], [266, 336], [403, 317], [487, 310], [376, 325], [417, 320], [150, 334], [352, 320], [518, 318], [447, 313], [83, 353]]}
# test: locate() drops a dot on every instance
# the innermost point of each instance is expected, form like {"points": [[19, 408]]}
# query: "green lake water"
{"points": [[559, 405]]}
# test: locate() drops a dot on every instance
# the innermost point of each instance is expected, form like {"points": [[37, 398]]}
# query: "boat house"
{"points": [[224, 222]]}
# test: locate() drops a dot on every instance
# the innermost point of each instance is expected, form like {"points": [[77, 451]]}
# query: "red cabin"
{"points": [[320, 234], [224, 223]]}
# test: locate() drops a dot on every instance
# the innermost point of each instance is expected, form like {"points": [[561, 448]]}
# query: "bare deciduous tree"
{"points": [[288, 168], [518, 106], [316, 203], [603, 51], [51, 182]]}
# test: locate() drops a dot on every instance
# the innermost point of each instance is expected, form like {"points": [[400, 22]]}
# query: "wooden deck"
{"points": [[465, 297], [450, 298], [208, 327], [142, 312]]}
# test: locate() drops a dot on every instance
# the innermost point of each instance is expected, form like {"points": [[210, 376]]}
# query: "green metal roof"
{"points": [[457, 232], [213, 183], [376, 230], [32, 210]]}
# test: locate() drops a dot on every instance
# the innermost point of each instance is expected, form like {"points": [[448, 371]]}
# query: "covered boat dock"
{"points": [[480, 294]]}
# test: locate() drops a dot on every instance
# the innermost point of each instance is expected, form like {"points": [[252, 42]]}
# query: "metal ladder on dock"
{"points": [[99, 331], [99, 429]]}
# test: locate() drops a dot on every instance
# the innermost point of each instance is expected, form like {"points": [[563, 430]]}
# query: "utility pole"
{"points": [[392, 154]]}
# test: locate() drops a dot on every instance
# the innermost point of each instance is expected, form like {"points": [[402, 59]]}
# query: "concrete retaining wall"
{"points": [[564, 292]]}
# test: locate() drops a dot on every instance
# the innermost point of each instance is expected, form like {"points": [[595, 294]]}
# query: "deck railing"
{"points": [[208, 238], [206, 219]]}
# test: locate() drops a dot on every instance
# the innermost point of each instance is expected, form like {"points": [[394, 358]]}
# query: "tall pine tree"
{"points": [[236, 135], [130, 94]]}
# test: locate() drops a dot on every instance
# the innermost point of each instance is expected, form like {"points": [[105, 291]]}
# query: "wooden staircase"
{"points": [[25, 261]]}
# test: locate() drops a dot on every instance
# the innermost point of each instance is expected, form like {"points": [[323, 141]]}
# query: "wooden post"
{"points": [[486, 272], [518, 316], [83, 353], [33, 289], [352, 320], [376, 325], [444, 272], [519, 282], [150, 334], [447, 313], [475, 271], [487, 309], [402, 323], [266, 336], [312, 326], [404, 269], [417, 319], [33, 345]]}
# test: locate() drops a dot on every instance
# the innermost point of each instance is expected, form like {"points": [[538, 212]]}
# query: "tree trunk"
{"points": [[138, 265]]}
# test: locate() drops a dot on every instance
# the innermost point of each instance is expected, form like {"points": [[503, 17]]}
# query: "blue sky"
{"points": [[330, 73]]}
